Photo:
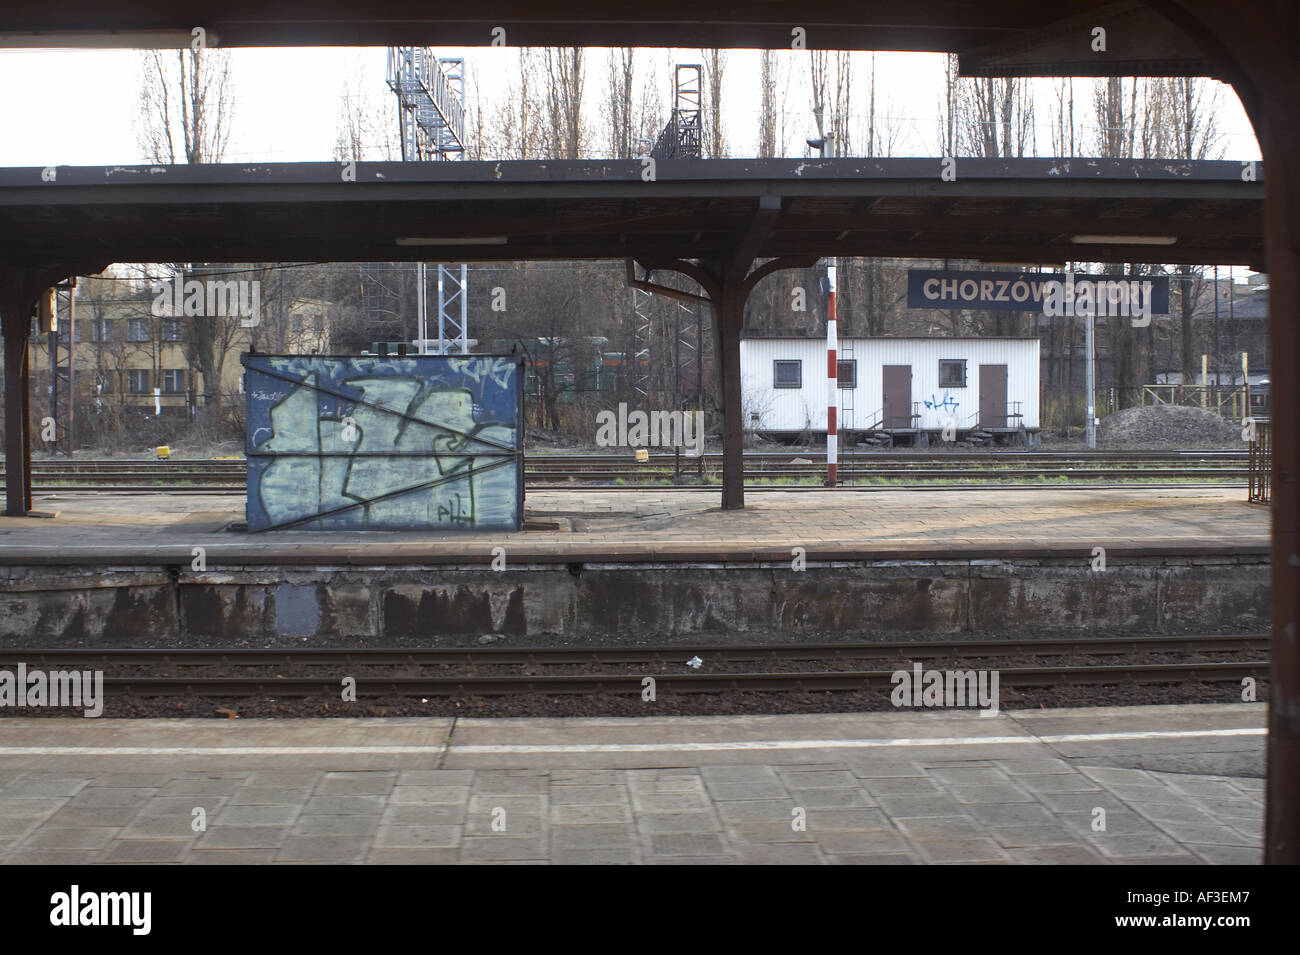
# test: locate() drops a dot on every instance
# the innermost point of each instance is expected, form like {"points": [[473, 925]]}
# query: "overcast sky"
{"points": [[80, 107]]}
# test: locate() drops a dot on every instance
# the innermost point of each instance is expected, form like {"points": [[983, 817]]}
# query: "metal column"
{"points": [[17, 303], [1090, 335], [453, 309], [431, 109]]}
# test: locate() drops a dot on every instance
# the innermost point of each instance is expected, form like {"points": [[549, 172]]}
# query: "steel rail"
{"points": [[731, 653], [819, 681]]}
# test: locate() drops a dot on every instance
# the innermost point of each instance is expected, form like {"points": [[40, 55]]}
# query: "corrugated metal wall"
{"points": [[416, 442], [794, 409]]}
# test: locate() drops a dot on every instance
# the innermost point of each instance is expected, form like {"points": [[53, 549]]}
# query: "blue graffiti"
{"points": [[371, 443], [948, 404]]}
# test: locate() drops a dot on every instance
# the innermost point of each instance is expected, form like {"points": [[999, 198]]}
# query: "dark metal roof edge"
{"points": [[590, 171], [328, 556]]}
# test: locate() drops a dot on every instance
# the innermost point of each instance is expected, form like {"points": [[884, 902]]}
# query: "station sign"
{"points": [[1031, 291]]}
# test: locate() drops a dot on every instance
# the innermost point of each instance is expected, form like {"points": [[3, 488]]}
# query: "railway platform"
{"points": [[605, 523], [1126, 785], [597, 565]]}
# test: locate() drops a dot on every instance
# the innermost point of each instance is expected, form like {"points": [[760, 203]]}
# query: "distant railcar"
{"points": [[912, 390], [1260, 406]]}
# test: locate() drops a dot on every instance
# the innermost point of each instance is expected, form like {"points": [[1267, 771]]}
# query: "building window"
{"points": [[137, 329], [171, 329], [138, 381], [787, 374], [952, 373], [102, 329], [848, 374], [173, 382]]}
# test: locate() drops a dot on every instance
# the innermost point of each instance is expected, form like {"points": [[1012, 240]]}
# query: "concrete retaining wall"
{"points": [[454, 604]]}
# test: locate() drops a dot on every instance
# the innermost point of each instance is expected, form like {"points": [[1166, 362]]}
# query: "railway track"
{"points": [[479, 672], [557, 470]]}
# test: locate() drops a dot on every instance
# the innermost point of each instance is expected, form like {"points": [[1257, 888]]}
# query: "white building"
{"points": [[898, 385]]}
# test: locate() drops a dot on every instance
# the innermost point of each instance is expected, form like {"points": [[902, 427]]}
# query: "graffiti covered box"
{"points": [[417, 442]]}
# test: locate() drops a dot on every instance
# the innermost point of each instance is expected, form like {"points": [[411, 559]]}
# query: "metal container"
{"points": [[421, 442]]}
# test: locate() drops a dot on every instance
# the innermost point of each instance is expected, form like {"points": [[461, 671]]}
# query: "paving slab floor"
{"points": [[1105, 786]]}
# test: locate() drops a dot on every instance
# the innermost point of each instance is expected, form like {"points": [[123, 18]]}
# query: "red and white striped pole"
{"points": [[832, 380]]}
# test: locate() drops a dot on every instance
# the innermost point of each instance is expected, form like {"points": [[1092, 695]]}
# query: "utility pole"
{"points": [[1216, 338], [280, 301], [51, 303], [72, 356], [68, 287], [1090, 350], [422, 307], [1232, 323]]}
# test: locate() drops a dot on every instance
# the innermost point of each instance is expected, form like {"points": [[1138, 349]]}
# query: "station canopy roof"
{"points": [[1001, 210], [992, 37]]}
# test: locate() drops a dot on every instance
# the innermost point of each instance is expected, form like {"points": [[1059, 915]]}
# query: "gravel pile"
{"points": [[1168, 426]]}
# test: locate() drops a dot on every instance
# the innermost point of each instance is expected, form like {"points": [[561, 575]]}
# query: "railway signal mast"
{"points": [[431, 110], [825, 143], [832, 380]]}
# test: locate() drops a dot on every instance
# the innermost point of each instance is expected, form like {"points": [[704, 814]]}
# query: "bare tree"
{"points": [[866, 281], [1117, 113], [368, 129], [817, 76], [617, 106], [948, 142], [1065, 139], [631, 107], [102, 297], [189, 100], [1191, 106], [1195, 104], [517, 129], [997, 117], [986, 118], [186, 101], [831, 79], [648, 114], [715, 68], [1116, 121], [564, 74], [842, 118], [774, 81]]}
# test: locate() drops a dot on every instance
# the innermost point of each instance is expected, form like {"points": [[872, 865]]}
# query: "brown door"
{"points": [[896, 383], [993, 396]]}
